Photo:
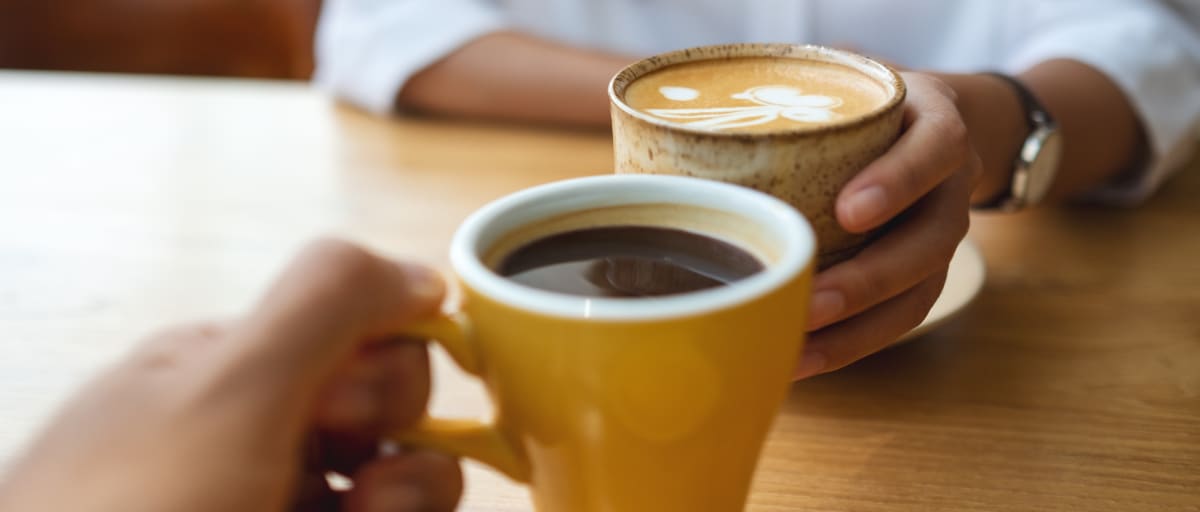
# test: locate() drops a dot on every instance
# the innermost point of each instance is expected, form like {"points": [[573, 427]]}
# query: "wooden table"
{"points": [[1072, 383]]}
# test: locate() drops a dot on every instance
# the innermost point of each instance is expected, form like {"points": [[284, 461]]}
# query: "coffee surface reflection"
{"points": [[628, 261]]}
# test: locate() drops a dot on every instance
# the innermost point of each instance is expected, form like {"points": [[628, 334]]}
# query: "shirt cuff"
{"points": [[367, 50], [1143, 54]]}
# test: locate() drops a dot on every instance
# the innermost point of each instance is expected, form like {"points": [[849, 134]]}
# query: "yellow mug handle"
{"points": [[465, 438]]}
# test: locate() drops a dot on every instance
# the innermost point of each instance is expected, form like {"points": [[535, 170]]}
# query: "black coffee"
{"points": [[628, 261]]}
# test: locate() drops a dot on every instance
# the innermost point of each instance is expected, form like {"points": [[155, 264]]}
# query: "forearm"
{"points": [[515, 77], [1102, 135]]}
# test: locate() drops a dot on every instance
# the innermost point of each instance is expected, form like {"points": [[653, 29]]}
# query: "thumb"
{"points": [[411, 482], [334, 297]]}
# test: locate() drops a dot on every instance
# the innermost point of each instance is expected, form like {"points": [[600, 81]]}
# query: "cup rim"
{"points": [[482, 228], [630, 73]]}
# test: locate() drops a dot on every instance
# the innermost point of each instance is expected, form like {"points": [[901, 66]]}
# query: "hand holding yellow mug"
{"points": [[632, 404]]}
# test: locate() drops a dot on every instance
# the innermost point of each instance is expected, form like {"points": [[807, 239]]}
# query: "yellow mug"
{"points": [[626, 404]]}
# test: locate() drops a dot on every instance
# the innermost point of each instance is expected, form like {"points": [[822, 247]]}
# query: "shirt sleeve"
{"points": [[367, 49], [1150, 52]]}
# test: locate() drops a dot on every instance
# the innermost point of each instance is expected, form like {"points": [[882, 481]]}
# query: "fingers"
{"points": [[314, 495], [933, 146], [420, 481], [384, 388], [342, 452], [864, 304], [923, 243], [330, 300], [841, 344]]}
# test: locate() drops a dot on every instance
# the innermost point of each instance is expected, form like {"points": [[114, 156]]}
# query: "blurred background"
{"points": [[243, 38]]}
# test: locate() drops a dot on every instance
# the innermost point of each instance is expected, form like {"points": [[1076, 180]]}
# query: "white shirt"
{"points": [[367, 49]]}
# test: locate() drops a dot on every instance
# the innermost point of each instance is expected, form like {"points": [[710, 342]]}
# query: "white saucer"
{"points": [[963, 282]]}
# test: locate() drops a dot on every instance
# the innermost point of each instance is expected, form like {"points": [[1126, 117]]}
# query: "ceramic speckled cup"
{"points": [[805, 157]]}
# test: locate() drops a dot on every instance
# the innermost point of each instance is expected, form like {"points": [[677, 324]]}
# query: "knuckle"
{"points": [[165, 347], [911, 181], [944, 88], [928, 296], [974, 169], [954, 134], [916, 304], [184, 334], [942, 251], [341, 263], [334, 250], [410, 384], [863, 286], [961, 223], [935, 84]]}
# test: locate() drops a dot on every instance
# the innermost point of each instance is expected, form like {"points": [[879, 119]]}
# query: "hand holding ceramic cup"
{"points": [[795, 121], [636, 334]]}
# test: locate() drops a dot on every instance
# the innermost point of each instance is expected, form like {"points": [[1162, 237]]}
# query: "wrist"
{"points": [[996, 125]]}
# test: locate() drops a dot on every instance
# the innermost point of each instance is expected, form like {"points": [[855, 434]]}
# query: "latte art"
{"points": [[773, 102], [678, 93], [755, 94]]}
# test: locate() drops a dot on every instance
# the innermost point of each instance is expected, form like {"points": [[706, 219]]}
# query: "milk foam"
{"points": [[677, 93], [756, 94]]}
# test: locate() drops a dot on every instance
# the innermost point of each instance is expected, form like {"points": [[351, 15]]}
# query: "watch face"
{"points": [[1043, 166]]}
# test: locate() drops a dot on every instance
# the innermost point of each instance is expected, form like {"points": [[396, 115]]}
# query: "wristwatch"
{"points": [[1037, 161]]}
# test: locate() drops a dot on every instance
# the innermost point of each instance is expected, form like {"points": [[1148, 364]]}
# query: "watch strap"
{"points": [[1032, 109]]}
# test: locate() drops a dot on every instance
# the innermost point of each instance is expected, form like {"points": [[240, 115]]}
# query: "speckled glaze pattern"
{"points": [[807, 167]]}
